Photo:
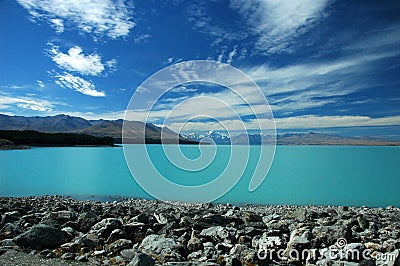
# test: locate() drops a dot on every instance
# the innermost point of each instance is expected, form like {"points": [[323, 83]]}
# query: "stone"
{"points": [[68, 256], [194, 244], [329, 235], [268, 218], [41, 236], [155, 244], [90, 241], [104, 228], [219, 233], [161, 218], [86, 220], [10, 217], [300, 215], [82, 258], [297, 243], [142, 259], [10, 230], [119, 245], [128, 254], [70, 233]]}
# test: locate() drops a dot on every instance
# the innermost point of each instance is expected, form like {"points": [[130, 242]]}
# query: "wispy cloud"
{"points": [[67, 80], [276, 23], [101, 18], [298, 122], [302, 86], [10, 102], [314, 121], [76, 61], [40, 84]]}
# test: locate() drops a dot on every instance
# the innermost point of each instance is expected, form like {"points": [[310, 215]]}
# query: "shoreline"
{"points": [[59, 229]]}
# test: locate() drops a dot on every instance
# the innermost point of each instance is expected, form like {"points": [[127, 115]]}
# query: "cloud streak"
{"points": [[276, 23], [107, 18], [9, 103], [67, 80]]}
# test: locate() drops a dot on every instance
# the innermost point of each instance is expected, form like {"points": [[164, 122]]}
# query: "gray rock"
{"points": [[219, 233], [329, 235], [70, 233], [104, 228], [141, 218], [8, 243], [268, 218], [90, 241], [300, 215], [10, 217], [155, 244], [119, 245], [297, 243], [10, 230], [68, 256], [194, 244], [268, 242], [82, 258], [161, 218], [362, 222], [128, 254], [142, 259], [41, 236], [86, 220]]}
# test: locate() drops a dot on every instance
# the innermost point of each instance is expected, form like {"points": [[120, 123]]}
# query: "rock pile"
{"points": [[142, 232]]}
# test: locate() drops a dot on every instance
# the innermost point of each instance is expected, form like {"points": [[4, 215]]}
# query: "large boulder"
{"points": [[41, 236], [164, 249], [155, 244]]}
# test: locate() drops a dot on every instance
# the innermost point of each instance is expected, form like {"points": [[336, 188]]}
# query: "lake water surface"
{"points": [[318, 175]]}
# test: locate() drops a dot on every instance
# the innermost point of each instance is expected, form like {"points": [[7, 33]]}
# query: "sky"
{"points": [[326, 66]]}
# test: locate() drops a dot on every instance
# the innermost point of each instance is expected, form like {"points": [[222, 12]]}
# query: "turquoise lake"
{"points": [[300, 175]]}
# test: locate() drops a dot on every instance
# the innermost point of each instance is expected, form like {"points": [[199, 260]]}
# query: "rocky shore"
{"points": [[54, 230]]}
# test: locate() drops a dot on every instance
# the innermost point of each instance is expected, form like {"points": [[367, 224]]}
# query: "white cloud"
{"points": [[313, 121], [81, 85], [182, 89], [40, 83], [101, 18], [276, 23], [8, 102], [300, 87], [76, 61], [57, 24], [230, 56], [297, 122]]}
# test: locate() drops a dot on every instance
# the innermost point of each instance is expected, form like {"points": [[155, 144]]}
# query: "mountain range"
{"points": [[134, 129], [99, 128]]}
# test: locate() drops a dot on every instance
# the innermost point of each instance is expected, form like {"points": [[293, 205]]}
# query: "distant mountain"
{"points": [[291, 139], [50, 124], [98, 128], [327, 139], [134, 130]]}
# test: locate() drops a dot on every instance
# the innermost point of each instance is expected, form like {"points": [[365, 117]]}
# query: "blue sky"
{"points": [[329, 66]]}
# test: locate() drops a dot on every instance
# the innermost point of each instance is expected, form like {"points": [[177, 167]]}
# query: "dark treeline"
{"points": [[36, 138]]}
